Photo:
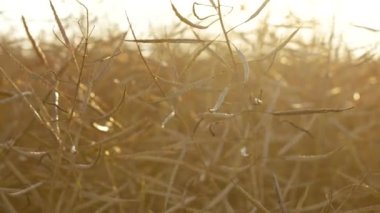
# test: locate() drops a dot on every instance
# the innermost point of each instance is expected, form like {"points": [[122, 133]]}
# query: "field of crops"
{"points": [[259, 121]]}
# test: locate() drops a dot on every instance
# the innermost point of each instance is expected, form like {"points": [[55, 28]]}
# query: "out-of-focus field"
{"points": [[250, 122]]}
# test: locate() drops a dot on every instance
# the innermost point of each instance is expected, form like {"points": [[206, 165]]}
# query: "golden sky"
{"points": [[158, 13]]}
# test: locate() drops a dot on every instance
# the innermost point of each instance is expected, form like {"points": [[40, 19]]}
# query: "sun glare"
{"points": [[356, 21], [189, 106]]}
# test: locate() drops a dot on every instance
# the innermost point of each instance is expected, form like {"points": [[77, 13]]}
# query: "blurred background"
{"points": [[184, 126], [353, 22]]}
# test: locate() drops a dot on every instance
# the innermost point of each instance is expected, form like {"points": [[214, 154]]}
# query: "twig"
{"points": [[308, 111], [143, 58], [225, 34], [279, 194]]}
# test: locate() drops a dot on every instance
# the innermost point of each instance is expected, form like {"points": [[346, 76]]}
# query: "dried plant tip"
{"points": [[312, 158], [196, 14], [186, 21], [284, 43], [106, 127], [36, 48], [220, 100], [212, 117], [308, 111], [217, 116], [366, 28], [244, 152], [256, 13], [256, 101], [34, 154], [244, 61], [55, 111], [61, 29], [211, 130], [168, 118], [225, 33]]}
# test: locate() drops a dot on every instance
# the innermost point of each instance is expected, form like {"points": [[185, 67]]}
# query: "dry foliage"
{"points": [[194, 125]]}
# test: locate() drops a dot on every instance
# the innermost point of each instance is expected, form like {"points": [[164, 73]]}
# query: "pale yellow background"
{"points": [[158, 13]]}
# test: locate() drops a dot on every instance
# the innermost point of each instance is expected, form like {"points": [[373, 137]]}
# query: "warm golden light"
{"points": [[356, 96], [355, 20], [156, 106]]}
